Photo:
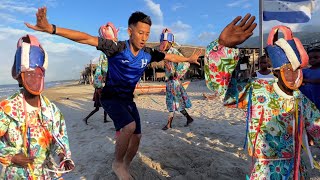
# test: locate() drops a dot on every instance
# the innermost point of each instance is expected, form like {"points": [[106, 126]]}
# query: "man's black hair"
{"points": [[139, 17]]}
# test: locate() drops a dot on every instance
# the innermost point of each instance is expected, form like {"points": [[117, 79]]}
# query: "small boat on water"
{"points": [[154, 89]]}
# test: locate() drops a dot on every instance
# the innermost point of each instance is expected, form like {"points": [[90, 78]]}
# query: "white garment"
{"points": [[265, 77]]}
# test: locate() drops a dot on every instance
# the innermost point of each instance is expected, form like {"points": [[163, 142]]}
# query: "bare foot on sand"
{"points": [[127, 166], [121, 172], [208, 96]]}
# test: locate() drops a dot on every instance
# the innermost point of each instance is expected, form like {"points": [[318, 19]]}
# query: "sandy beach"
{"points": [[211, 148]]}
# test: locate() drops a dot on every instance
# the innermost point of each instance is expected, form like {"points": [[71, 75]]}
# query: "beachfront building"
{"points": [[248, 62]]}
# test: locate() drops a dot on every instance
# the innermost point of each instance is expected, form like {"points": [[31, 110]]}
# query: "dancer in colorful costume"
{"points": [[107, 31], [31, 127], [278, 115], [176, 96], [127, 61]]}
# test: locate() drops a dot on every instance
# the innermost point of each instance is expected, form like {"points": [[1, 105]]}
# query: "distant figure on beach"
{"points": [[264, 69], [311, 77], [279, 117], [176, 96], [97, 105], [107, 31], [32, 129], [127, 60]]}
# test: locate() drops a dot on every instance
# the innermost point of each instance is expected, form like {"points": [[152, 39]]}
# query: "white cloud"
{"points": [[180, 25], [181, 31], [207, 37], [7, 18], [123, 33], [182, 37], [268, 25], [17, 7], [204, 15], [247, 5], [66, 60], [156, 31], [211, 26], [177, 6], [236, 3], [316, 5], [155, 10]]}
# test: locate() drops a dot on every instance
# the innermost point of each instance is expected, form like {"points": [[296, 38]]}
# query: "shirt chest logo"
{"points": [[125, 61], [144, 63]]}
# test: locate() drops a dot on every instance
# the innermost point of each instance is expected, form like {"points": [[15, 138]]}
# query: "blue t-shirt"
{"points": [[125, 69], [311, 90]]}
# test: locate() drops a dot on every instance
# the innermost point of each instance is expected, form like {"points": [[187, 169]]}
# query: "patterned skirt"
{"points": [[176, 96]]}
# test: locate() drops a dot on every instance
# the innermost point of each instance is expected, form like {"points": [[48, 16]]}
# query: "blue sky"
{"points": [[193, 23]]}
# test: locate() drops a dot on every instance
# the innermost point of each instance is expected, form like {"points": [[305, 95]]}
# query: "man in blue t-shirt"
{"points": [[311, 77], [127, 62]]}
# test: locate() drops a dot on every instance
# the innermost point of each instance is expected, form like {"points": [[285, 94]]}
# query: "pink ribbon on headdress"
{"points": [[108, 31]]}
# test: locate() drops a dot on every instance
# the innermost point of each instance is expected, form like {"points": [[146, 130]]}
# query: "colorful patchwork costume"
{"points": [[273, 117], [47, 133], [176, 96], [28, 131]]}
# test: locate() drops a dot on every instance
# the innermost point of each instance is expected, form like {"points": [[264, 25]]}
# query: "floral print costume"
{"points": [[101, 71], [46, 127], [270, 114], [176, 96]]}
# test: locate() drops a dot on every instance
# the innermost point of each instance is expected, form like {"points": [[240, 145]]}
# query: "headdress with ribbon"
{"points": [[29, 55], [165, 37], [108, 31], [288, 55], [287, 50]]}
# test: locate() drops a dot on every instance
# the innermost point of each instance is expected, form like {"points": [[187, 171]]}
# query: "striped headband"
{"points": [[286, 50], [29, 55], [167, 35]]}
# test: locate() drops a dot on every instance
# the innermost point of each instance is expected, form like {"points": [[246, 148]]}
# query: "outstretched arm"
{"points": [[177, 58], [222, 58], [44, 26]]}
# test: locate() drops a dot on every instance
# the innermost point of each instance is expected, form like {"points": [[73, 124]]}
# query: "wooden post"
{"points": [[202, 67], [154, 74]]}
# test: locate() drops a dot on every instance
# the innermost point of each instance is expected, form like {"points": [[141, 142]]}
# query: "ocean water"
{"points": [[8, 89]]}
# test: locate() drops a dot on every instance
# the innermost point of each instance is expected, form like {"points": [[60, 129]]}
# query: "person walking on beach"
{"points": [[127, 60], [107, 31], [32, 129], [264, 69], [97, 105], [176, 96], [278, 115]]}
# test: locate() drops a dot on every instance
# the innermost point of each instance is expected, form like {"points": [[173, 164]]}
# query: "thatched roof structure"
{"points": [[184, 49], [87, 69]]}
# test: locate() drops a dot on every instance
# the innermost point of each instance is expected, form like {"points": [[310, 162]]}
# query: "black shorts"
{"points": [[122, 113]]}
